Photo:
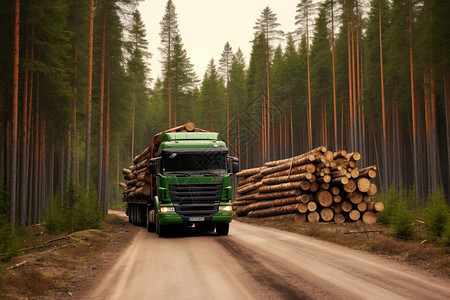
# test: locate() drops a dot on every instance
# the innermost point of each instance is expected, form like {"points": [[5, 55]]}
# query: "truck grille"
{"points": [[196, 198]]}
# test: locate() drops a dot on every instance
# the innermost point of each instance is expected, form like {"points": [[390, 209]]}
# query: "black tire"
{"points": [[222, 228], [161, 230], [150, 226], [129, 212], [207, 227]]}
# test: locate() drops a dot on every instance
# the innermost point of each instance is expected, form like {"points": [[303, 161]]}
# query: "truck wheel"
{"points": [[130, 213], [222, 228], [161, 230], [207, 227], [150, 226]]}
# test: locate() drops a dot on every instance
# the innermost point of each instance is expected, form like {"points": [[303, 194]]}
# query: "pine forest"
{"points": [[77, 102]]}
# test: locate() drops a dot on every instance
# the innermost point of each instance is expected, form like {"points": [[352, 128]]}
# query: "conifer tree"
{"points": [[14, 115], [255, 110], [267, 25], [212, 98], [225, 69], [169, 31], [237, 94], [305, 10], [321, 80], [296, 93], [183, 80], [137, 48], [89, 97]]}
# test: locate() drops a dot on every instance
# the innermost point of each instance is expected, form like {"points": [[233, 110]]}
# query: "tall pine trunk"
{"points": [[89, 96], [447, 119], [413, 107], [74, 101], [350, 86], [14, 118], [336, 144], [29, 137], [354, 93], [107, 142], [310, 143], [23, 157], [383, 111], [35, 176], [101, 100]]}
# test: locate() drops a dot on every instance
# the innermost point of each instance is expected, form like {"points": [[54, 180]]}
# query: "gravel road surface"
{"points": [[257, 263]]}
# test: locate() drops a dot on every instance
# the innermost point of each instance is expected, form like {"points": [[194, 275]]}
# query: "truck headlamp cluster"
{"points": [[166, 209], [225, 208]]}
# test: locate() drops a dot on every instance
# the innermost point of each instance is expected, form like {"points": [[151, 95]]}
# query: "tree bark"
{"points": [[89, 97], [282, 210], [23, 157], [107, 143], [14, 117], [100, 178], [278, 195]]}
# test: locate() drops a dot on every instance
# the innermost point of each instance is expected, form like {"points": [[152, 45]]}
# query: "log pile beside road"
{"points": [[319, 185], [137, 177]]}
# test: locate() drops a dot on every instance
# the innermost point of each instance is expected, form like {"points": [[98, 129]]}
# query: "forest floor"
{"points": [[66, 268]]}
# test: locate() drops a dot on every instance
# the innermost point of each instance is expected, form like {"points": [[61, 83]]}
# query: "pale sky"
{"points": [[206, 25]]}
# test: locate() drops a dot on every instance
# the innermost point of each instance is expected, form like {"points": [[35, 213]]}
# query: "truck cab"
{"points": [[192, 183]]}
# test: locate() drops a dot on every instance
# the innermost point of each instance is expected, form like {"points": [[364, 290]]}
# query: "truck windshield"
{"points": [[194, 164]]}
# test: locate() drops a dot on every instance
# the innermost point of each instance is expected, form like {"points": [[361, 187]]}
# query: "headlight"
{"points": [[225, 208], [166, 209]]}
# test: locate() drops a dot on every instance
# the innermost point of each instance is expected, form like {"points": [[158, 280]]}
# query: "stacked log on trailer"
{"points": [[137, 177], [319, 185]]}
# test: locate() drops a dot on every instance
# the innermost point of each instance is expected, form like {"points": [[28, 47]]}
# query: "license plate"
{"points": [[196, 219]]}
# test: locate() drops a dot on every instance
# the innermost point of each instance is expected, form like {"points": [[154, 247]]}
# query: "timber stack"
{"points": [[137, 185], [137, 177], [319, 185]]}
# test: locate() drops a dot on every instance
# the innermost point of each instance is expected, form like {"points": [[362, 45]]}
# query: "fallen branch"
{"points": [[16, 265], [56, 248], [368, 231], [47, 243]]}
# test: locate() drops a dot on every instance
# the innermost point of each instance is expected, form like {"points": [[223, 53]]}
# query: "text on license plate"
{"points": [[196, 219]]}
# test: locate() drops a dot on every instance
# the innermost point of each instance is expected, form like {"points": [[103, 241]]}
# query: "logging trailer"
{"points": [[187, 181]]}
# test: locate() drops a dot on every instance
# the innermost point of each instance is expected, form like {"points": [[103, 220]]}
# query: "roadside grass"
{"points": [[114, 219], [52, 268], [120, 206], [419, 251]]}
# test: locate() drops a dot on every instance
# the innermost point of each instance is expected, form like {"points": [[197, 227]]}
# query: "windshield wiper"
{"points": [[208, 174], [179, 174]]}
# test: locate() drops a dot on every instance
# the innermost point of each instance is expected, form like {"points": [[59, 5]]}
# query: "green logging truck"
{"points": [[183, 178]]}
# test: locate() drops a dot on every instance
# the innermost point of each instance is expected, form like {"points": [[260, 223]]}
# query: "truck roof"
{"points": [[191, 140], [178, 136], [189, 127]]}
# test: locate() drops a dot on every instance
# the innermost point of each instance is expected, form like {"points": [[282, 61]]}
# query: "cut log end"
{"points": [[369, 217], [313, 217]]}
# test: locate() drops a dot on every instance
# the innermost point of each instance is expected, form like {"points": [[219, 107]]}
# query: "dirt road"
{"points": [[257, 263]]}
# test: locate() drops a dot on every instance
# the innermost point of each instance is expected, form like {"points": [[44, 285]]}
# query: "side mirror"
{"points": [[233, 164], [153, 166], [153, 169], [235, 167]]}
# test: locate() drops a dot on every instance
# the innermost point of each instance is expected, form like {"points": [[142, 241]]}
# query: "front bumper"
{"points": [[172, 218]]}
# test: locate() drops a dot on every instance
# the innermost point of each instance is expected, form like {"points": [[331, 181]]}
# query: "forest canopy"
{"points": [[77, 103]]}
